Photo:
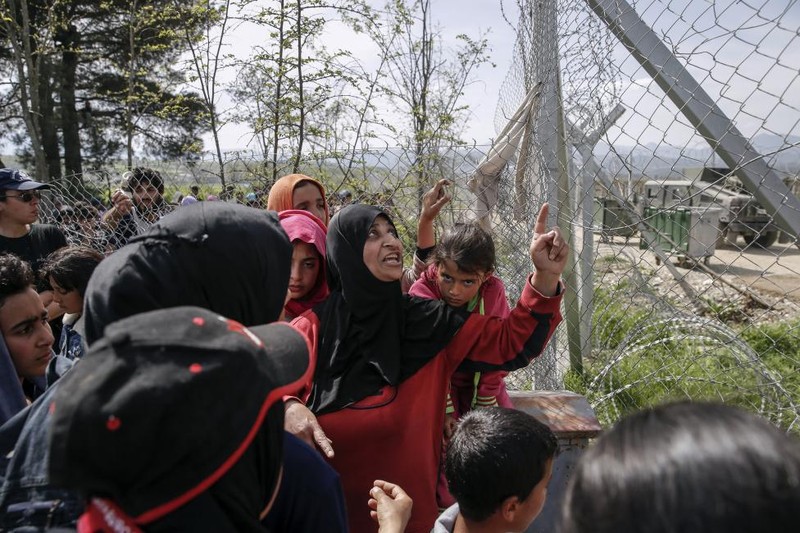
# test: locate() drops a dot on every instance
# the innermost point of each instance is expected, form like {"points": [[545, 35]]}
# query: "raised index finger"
{"points": [[541, 220]]}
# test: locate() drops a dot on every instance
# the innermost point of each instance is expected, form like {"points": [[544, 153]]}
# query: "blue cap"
{"points": [[16, 180]]}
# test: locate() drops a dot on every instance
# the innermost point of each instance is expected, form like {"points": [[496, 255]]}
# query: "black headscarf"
{"points": [[256, 468], [371, 335], [231, 259], [235, 502]]}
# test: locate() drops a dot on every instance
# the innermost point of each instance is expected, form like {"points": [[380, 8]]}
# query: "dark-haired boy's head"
{"points": [[498, 464], [687, 467], [15, 276], [23, 318]]}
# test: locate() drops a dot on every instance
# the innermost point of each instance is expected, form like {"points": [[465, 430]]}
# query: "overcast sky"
{"points": [[453, 17], [730, 47]]}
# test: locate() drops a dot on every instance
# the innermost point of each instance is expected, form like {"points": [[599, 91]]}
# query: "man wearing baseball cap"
{"points": [[19, 209]]}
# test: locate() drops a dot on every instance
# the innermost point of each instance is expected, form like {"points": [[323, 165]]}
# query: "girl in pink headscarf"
{"points": [[307, 283]]}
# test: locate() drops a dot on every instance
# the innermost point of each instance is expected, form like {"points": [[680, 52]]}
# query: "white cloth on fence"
{"points": [[485, 180]]}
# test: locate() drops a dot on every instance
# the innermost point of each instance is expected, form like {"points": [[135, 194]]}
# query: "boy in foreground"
{"points": [[497, 492]]}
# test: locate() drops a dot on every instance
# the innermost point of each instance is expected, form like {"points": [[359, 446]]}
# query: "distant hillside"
{"points": [[781, 153]]}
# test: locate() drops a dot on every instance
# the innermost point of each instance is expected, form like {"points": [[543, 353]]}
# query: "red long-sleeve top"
{"points": [[396, 435]]}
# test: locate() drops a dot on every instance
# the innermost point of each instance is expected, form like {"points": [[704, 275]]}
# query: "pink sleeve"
{"points": [[421, 289], [308, 325], [495, 302], [426, 285], [412, 274]]}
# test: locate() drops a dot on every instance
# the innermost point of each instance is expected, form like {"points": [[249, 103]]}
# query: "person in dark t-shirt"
{"points": [[19, 209]]}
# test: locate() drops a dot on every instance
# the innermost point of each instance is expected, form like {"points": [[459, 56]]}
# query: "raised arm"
{"points": [[487, 343], [122, 205], [549, 254], [432, 203]]}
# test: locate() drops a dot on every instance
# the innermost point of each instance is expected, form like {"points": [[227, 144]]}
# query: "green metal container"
{"points": [[684, 231]]}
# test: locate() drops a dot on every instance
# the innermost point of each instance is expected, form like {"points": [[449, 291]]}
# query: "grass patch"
{"points": [[639, 362]]}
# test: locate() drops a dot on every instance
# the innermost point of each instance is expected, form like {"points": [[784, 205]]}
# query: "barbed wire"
{"points": [[643, 161]]}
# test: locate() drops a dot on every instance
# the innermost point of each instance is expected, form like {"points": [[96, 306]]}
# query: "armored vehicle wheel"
{"points": [[762, 241]]}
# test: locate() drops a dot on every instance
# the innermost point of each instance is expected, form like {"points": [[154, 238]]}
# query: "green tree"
{"points": [[426, 82], [27, 36], [86, 73], [207, 60], [291, 86], [139, 91]]}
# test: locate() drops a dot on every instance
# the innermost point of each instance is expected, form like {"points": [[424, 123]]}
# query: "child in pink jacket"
{"points": [[462, 274]]}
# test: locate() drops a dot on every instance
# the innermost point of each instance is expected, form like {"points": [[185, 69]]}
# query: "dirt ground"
{"points": [[775, 270], [772, 275]]}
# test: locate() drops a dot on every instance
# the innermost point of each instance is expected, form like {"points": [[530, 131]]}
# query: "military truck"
{"points": [[741, 212]]}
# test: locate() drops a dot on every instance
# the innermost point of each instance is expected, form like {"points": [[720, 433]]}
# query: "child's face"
{"points": [[531, 506], [70, 301], [458, 287], [305, 270], [23, 323]]}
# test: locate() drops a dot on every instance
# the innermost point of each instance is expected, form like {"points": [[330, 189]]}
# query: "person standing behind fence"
{"points": [[86, 229], [193, 197], [137, 206], [298, 191], [462, 275], [687, 468], [68, 271]]}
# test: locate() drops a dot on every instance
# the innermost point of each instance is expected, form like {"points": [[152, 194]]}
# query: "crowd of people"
{"points": [[136, 205], [224, 367]]}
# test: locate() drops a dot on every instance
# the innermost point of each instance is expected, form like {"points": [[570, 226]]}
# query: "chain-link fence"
{"points": [[664, 134], [667, 131]]}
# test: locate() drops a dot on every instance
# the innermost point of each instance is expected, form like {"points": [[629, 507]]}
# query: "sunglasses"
{"points": [[26, 197]]}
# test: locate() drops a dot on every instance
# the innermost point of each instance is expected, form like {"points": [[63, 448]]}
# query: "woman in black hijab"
{"points": [[384, 359], [224, 257], [230, 259]]}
